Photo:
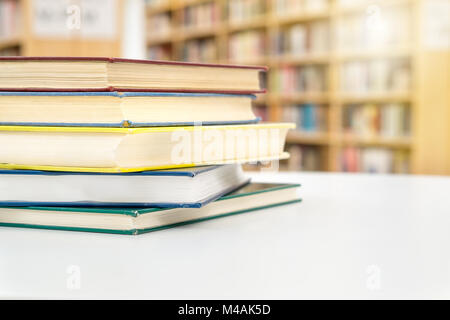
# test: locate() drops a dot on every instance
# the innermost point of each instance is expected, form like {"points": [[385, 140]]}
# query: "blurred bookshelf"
{"points": [[358, 77], [50, 28], [349, 73]]}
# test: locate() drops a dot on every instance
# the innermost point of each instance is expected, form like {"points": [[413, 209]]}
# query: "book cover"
{"points": [[109, 60], [81, 142], [260, 193], [126, 122], [59, 180]]}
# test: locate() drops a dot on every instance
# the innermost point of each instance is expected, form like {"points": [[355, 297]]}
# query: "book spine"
{"points": [[374, 160], [246, 45], [379, 76], [377, 120], [304, 79], [304, 158]]}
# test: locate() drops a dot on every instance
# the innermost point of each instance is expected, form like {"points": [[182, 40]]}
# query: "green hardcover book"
{"points": [[253, 196]]}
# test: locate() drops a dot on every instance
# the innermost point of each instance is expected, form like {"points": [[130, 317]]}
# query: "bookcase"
{"points": [[60, 28], [356, 76]]}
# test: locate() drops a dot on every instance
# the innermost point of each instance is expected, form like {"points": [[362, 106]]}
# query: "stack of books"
{"points": [[131, 146]]}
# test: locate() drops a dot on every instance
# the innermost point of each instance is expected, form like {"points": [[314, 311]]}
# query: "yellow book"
{"points": [[100, 149]]}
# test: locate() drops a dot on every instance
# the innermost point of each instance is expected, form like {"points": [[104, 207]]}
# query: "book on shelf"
{"points": [[287, 7], [200, 50], [374, 160], [295, 7], [253, 196], [124, 109], [156, 3], [309, 117], [349, 33], [350, 160], [242, 10], [159, 52], [387, 28], [390, 28], [311, 79], [10, 19], [301, 39], [115, 74], [299, 79], [104, 149], [315, 6], [176, 188], [304, 158], [400, 76], [376, 76], [298, 40], [354, 77], [361, 120], [159, 26], [401, 162], [200, 16], [390, 120], [319, 38], [246, 46], [395, 120]]}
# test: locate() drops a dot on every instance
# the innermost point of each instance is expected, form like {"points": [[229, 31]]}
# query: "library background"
{"points": [[367, 82]]}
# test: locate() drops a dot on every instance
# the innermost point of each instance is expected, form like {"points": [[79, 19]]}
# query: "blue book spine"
{"points": [[308, 117]]}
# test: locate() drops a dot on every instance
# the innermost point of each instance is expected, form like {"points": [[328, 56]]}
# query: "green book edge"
{"points": [[140, 231], [136, 212]]}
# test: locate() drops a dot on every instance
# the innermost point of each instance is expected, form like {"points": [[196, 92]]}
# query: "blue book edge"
{"points": [[90, 204], [122, 94], [130, 124]]}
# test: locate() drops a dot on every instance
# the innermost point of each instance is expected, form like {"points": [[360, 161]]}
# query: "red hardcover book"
{"points": [[115, 74]]}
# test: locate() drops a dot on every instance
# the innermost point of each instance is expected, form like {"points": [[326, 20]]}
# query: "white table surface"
{"points": [[353, 236]]}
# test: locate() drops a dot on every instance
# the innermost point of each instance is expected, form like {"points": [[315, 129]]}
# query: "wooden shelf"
{"points": [[367, 54], [153, 10], [10, 42], [301, 97], [253, 61], [253, 23], [186, 3], [166, 38], [193, 33], [358, 9], [296, 18], [378, 142], [310, 138], [374, 97], [299, 60]]}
